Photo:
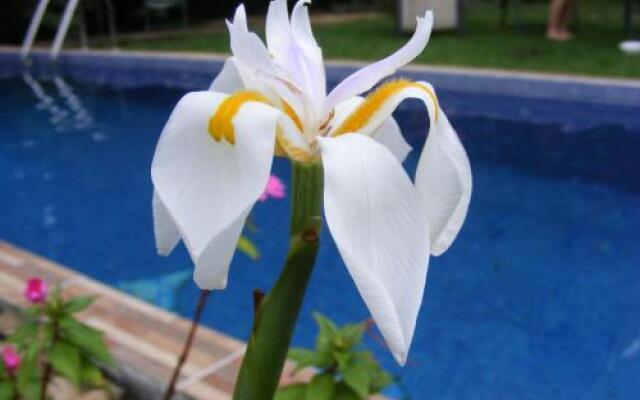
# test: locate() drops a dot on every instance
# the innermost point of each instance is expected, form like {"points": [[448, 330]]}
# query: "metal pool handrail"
{"points": [[33, 28], [63, 27]]}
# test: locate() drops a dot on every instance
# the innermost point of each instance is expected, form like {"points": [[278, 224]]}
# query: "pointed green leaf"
{"points": [[327, 331], [24, 333], [344, 392], [343, 358], [89, 340], [246, 246], [91, 375], [321, 387], [303, 358], [358, 377], [291, 392], [78, 304], [352, 334], [379, 381], [65, 360]]}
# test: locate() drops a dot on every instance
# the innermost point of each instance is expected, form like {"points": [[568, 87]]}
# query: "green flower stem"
{"points": [[278, 312]]}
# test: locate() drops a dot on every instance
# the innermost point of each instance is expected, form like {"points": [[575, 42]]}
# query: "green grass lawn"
{"points": [[593, 51]]}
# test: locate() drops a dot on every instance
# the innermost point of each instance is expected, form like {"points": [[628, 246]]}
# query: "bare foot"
{"points": [[559, 35]]}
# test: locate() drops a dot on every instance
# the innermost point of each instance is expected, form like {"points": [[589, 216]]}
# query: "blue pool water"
{"points": [[539, 298]]}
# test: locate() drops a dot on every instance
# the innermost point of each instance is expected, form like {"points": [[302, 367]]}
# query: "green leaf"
{"points": [[78, 304], [33, 312], [24, 333], [89, 340], [344, 392], [246, 246], [303, 358], [91, 375], [343, 358], [327, 330], [6, 390], [358, 377], [65, 360], [380, 380], [352, 334], [321, 387], [291, 392], [32, 390]]}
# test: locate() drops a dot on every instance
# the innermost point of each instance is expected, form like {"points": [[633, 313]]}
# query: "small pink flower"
{"points": [[275, 189], [11, 359], [36, 290]]}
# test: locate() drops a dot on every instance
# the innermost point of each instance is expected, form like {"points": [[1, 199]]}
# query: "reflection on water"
{"points": [[65, 108]]}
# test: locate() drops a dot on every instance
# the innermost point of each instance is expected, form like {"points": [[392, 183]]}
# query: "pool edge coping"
{"points": [[424, 68]]}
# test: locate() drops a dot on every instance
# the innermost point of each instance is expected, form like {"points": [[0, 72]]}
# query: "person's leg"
{"points": [[566, 14], [555, 29]]}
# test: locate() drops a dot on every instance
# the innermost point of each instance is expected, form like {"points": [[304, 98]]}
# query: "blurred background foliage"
{"points": [[366, 29], [15, 14]]}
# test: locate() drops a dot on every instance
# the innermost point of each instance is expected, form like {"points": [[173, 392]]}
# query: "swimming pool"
{"points": [[537, 299]]}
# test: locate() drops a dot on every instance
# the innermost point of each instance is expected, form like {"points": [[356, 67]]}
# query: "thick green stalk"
{"points": [[278, 312]]}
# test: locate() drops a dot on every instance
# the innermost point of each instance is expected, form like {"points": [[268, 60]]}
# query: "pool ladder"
{"points": [[63, 27]]}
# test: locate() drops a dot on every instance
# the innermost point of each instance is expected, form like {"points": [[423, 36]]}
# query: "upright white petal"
{"points": [[277, 28], [388, 133], [367, 77], [443, 178], [247, 47], [296, 53], [302, 32], [376, 217], [165, 230], [228, 79], [208, 187]]}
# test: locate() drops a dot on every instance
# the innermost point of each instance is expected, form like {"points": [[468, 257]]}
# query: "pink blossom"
{"points": [[36, 290], [11, 359], [275, 189]]}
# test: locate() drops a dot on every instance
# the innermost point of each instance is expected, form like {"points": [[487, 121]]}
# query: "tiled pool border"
{"points": [[144, 339], [196, 70]]}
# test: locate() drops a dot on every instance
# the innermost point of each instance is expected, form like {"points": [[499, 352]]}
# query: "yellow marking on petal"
{"points": [[292, 114], [374, 102], [221, 123], [292, 150]]}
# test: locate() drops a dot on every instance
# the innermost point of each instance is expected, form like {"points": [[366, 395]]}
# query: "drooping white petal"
{"points": [[388, 133], [367, 77], [209, 186], [228, 79], [376, 218], [443, 178], [165, 230]]}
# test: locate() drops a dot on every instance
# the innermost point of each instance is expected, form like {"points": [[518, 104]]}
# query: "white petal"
{"points": [[166, 232], [303, 34], [219, 253], [246, 46], [367, 77], [228, 79], [443, 178], [388, 133], [277, 30], [376, 218], [208, 187], [296, 52]]}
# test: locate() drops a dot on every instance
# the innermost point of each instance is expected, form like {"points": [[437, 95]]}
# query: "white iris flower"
{"points": [[214, 157]]}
